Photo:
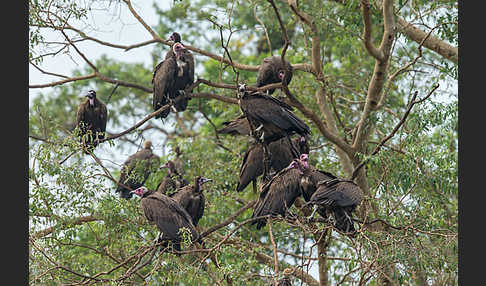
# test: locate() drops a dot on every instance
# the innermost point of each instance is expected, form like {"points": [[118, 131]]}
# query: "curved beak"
{"points": [[205, 180]]}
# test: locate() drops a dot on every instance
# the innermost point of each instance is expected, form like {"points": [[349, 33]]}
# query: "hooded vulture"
{"points": [[167, 215], [136, 169], [272, 70], [192, 199], [271, 116], [278, 194], [176, 38], [91, 118], [171, 77], [281, 156], [172, 181], [334, 197]]}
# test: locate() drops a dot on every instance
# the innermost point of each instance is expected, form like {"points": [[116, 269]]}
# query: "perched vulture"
{"points": [[167, 215], [271, 116], [281, 156], [339, 198], [273, 71], [172, 181], [91, 120], [311, 177], [171, 77], [136, 169], [278, 194], [192, 199]]}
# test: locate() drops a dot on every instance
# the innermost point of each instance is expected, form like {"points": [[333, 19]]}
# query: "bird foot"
{"points": [[262, 137], [259, 127]]}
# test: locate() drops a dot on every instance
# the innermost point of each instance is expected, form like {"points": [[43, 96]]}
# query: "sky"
{"points": [[122, 28]]}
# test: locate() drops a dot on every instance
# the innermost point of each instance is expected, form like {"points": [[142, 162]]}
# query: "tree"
{"points": [[375, 81]]}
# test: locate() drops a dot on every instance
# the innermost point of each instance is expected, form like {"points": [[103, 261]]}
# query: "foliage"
{"points": [[77, 220]]}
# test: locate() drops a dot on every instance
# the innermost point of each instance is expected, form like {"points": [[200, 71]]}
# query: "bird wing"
{"points": [[167, 214], [80, 113], [264, 109], [251, 167], [265, 73], [337, 192], [103, 117], [163, 81]]}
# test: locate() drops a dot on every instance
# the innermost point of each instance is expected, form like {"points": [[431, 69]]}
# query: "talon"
{"points": [[259, 127]]}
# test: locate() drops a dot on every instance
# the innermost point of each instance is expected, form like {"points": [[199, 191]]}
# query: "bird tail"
{"points": [[343, 221]]}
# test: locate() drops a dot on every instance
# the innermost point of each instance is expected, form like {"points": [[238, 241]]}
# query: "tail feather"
{"points": [[343, 223]]}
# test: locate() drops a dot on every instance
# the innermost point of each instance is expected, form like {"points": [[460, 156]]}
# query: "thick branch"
{"points": [[433, 43]]}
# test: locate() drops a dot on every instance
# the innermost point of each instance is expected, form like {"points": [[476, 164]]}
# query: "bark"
{"points": [[433, 43]]}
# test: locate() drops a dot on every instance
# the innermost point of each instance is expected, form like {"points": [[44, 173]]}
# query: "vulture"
{"points": [[271, 116], [172, 181], [192, 199], [272, 70], [91, 118], [167, 215], [136, 169], [311, 177], [281, 156], [335, 199], [278, 194], [170, 79], [179, 165]]}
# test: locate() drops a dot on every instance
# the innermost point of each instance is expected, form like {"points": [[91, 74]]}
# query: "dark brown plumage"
{"points": [[192, 199], [281, 156], [171, 77], [311, 177], [167, 215], [279, 193], [272, 70], [271, 116], [334, 196], [237, 126], [91, 118], [136, 169]]}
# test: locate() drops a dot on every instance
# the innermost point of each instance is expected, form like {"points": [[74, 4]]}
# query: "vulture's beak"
{"points": [[205, 180]]}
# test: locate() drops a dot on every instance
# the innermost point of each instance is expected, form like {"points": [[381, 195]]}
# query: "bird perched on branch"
{"points": [[334, 198], [272, 70], [136, 170], [172, 181], [281, 156], [91, 118], [278, 194], [171, 77], [192, 199], [168, 216]]}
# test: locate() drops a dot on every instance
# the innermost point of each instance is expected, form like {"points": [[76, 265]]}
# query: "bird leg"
{"points": [[314, 209], [156, 240], [171, 102]]}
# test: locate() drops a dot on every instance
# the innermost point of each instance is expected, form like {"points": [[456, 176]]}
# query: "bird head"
{"points": [[169, 165], [91, 95], [140, 191], [177, 48], [295, 165], [304, 158], [281, 74], [201, 180], [175, 37]]}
